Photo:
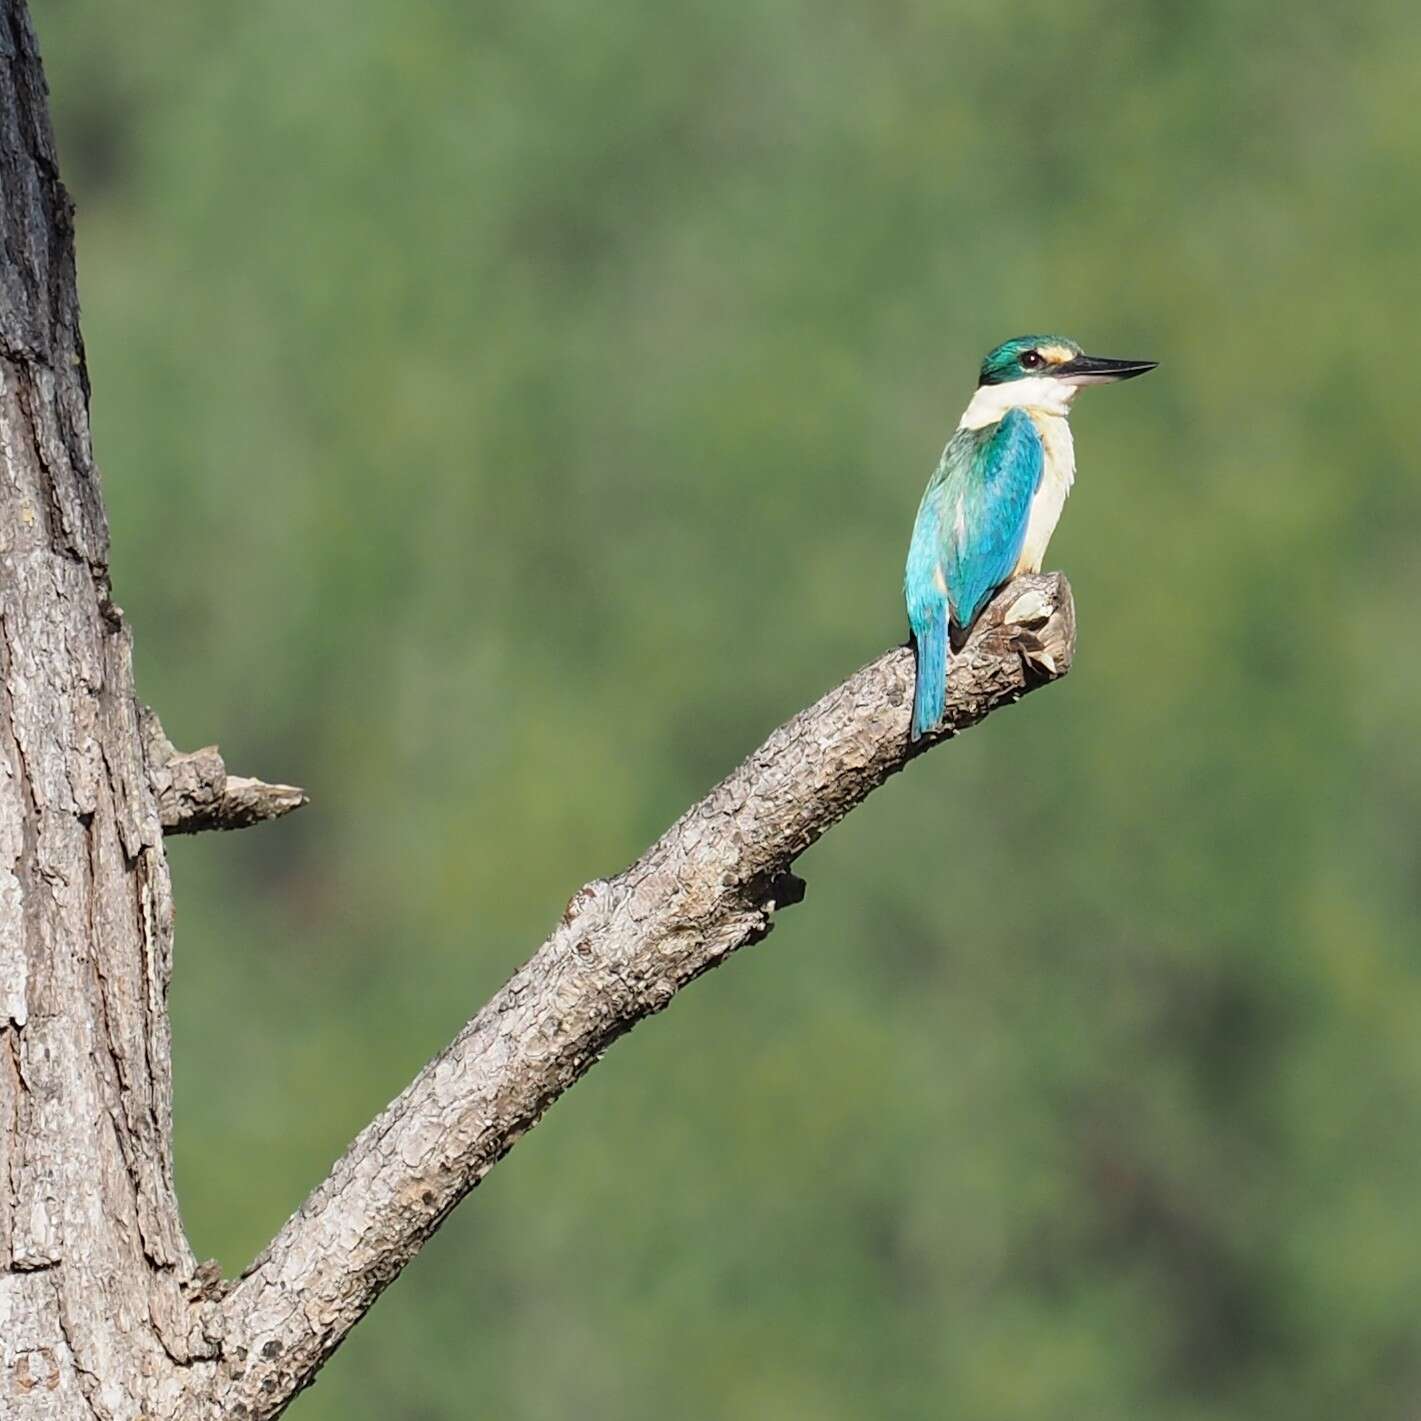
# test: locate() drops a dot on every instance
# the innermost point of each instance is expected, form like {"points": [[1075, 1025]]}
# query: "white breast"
{"points": [[1048, 403], [1058, 473]]}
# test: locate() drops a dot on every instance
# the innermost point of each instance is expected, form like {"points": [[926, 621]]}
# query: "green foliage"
{"points": [[510, 412]]}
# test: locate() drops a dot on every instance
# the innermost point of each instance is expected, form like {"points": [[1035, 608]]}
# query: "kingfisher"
{"points": [[994, 499]]}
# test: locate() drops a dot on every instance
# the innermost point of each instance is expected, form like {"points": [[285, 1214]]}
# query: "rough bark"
{"points": [[195, 792], [103, 1310], [93, 1321], [96, 1313], [623, 949]]}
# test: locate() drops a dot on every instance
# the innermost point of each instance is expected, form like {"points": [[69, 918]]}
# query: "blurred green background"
{"points": [[510, 412]]}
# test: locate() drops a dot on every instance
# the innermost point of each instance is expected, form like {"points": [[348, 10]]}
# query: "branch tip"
{"points": [[194, 791]]}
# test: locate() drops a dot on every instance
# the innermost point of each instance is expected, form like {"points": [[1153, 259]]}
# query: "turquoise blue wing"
{"points": [[966, 542], [985, 505]]}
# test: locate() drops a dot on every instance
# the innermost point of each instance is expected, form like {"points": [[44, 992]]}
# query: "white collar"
{"points": [[1035, 392]]}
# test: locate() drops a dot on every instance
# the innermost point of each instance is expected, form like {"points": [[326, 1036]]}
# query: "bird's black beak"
{"points": [[1096, 370]]}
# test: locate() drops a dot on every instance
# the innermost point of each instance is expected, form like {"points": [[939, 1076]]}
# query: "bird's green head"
{"points": [[1054, 358]]}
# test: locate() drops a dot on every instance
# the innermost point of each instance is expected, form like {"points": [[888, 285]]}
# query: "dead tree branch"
{"points": [[624, 948], [195, 792]]}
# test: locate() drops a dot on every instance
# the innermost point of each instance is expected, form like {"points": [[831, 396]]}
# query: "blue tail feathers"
{"points": [[930, 690]]}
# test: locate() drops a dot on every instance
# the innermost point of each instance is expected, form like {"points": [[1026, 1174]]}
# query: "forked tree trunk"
{"points": [[103, 1312]]}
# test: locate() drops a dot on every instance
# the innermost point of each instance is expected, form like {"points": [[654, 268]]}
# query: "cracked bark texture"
{"points": [[93, 1320], [623, 949], [103, 1311], [195, 792]]}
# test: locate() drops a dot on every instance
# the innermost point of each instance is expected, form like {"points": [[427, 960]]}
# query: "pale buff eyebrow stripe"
{"points": [[1057, 354]]}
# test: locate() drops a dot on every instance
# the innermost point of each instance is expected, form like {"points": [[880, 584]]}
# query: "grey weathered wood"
{"points": [[104, 1312], [195, 792], [624, 948], [93, 1321]]}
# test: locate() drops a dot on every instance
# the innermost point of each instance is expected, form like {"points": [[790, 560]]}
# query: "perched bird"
{"points": [[992, 504]]}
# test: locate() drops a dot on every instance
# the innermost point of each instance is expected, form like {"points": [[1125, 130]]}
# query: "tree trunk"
{"points": [[103, 1310], [94, 1320]]}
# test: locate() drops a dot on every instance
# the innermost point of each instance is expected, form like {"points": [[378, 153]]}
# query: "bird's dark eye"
{"points": [[1031, 360]]}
